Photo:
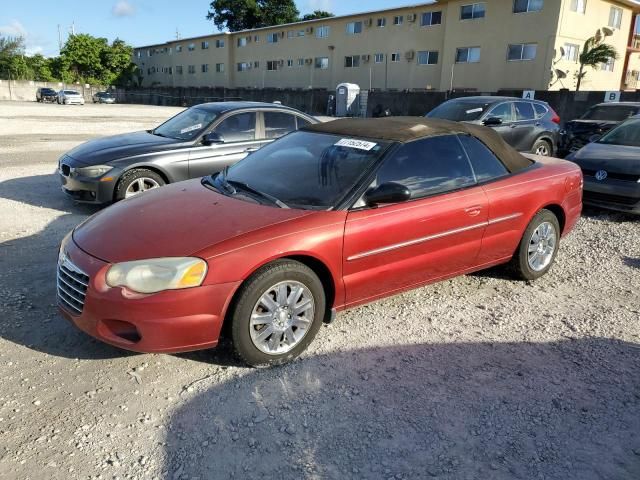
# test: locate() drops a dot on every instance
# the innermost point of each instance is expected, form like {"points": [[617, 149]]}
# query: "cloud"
{"points": [[123, 8], [313, 5], [13, 29], [33, 44]]}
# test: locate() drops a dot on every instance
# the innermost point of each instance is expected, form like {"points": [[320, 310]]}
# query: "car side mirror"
{"points": [[492, 121], [595, 137], [389, 192], [212, 138]]}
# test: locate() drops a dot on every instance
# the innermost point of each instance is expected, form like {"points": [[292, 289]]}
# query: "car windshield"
{"points": [[459, 111], [187, 124], [307, 170], [71, 92], [627, 134], [104, 94], [614, 113], [48, 90]]}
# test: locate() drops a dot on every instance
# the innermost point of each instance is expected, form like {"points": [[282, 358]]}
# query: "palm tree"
{"points": [[594, 52]]}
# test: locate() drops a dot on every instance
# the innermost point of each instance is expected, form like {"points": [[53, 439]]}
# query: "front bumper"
{"points": [[164, 322], [97, 190], [612, 194]]}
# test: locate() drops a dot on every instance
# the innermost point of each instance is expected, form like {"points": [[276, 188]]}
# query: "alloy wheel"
{"points": [[140, 185], [542, 246], [281, 317]]}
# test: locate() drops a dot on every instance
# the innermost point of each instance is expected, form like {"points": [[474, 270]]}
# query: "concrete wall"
{"points": [[25, 90]]}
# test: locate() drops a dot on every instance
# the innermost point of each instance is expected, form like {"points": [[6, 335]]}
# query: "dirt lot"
{"points": [[480, 377]]}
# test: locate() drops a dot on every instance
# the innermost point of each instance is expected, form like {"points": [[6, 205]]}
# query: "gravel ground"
{"points": [[480, 377]]}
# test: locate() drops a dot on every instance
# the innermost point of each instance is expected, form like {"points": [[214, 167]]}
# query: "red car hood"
{"points": [[172, 221]]}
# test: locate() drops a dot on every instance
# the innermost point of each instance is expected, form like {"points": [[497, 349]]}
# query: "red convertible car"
{"points": [[326, 218]]}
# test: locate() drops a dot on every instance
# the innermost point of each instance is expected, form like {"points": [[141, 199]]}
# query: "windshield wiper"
{"points": [[246, 187]]}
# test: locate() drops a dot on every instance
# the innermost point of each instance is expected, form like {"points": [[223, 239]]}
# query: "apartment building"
{"points": [[483, 46]]}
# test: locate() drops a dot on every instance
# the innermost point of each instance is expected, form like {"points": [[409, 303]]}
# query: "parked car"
{"points": [[611, 168], [44, 94], [526, 125], [103, 97], [198, 141], [70, 97], [597, 120], [333, 216]]}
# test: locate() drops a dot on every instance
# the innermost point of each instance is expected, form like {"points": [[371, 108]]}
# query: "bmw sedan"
{"points": [[526, 125], [197, 141], [327, 218], [611, 168]]}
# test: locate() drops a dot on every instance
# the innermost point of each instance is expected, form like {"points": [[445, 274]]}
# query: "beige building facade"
{"points": [[483, 46]]}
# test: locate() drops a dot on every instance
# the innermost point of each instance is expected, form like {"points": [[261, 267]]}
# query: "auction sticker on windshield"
{"points": [[197, 126], [473, 110], [353, 143]]}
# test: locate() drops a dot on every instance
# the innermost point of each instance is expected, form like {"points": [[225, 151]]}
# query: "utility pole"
{"points": [[59, 39]]}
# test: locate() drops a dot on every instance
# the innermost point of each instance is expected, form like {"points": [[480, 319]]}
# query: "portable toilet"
{"points": [[347, 99]]}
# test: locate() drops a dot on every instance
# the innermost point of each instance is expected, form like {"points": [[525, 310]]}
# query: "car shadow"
{"points": [[566, 409], [610, 215], [631, 262]]}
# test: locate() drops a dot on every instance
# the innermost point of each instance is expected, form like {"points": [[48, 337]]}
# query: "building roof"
{"points": [[406, 129]]}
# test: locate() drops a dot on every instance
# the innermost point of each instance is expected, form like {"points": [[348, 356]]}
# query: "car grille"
{"points": [[72, 286], [606, 198], [617, 176]]}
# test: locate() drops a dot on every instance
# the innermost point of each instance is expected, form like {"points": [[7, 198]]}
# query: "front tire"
{"points": [[538, 247], [137, 181], [542, 147], [278, 312]]}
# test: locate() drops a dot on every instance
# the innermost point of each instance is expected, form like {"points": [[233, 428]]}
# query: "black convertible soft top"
{"points": [[406, 129]]}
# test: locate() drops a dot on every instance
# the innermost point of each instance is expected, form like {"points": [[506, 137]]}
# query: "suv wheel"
{"points": [[542, 147]]}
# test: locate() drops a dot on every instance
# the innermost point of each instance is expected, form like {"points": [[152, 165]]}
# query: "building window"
{"points": [[615, 17], [179, 70], [290, 63], [323, 31], [521, 51], [149, 53], [242, 41], [256, 39], [382, 22], [178, 48], [523, 6], [219, 67], [272, 65], [352, 61], [256, 64], [301, 33], [428, 58], [192, 69], [378, 58], [395, 57], [272, 38], [291, 34], [219, 43], [192, 47], [244, 66], [205, 67], [170, 70], [398, 19], [300, 62], [321, 62], [431, 18], [571, 52], [472, 11], [354, 28], [138, 54], [608, 66], [205, 45], [579, 6], [468, 55]]}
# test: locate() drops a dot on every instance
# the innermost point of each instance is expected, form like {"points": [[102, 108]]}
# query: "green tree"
{"points": [[317, 14], [82, 55], [116, 61], [10, 47], [594, 53], [235, 15], [40, 68]]}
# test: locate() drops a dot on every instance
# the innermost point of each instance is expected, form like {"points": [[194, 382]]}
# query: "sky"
{"points": [[138, 22]]}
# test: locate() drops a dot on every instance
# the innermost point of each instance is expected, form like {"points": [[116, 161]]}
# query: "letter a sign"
{"points": [[528, 94]]}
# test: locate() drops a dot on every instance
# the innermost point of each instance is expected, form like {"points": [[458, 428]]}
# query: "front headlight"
{"points": [[157, 274], [93, 171]]}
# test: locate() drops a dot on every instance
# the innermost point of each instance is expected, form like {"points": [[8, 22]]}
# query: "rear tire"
{"points": [[277, 314], [137, 181], [538, 247], [542, 147]]}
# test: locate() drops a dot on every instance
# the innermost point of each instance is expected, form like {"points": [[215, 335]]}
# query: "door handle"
{"points": [[473, 211], [513, 125], [251, 149]]}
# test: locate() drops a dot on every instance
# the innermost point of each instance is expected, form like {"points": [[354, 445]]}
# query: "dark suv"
{"points": [[526, 125], [44, 94], [598, 120]]}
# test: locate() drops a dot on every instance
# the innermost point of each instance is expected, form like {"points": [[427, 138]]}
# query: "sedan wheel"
{"points": [[277, 313], [542, 246], [538, 248], [140, 185]]}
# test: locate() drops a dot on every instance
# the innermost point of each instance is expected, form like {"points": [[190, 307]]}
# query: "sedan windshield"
{"points": [[187, 124], [306, 170], [459, 111], [627, 134], [614, 113], [71, 92]]}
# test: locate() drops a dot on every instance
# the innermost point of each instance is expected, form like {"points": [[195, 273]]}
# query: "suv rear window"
{"points": [[541, 110]]}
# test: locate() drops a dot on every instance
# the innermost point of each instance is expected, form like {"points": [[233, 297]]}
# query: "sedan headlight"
{"points": [[157, 274], [94, 171]]}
